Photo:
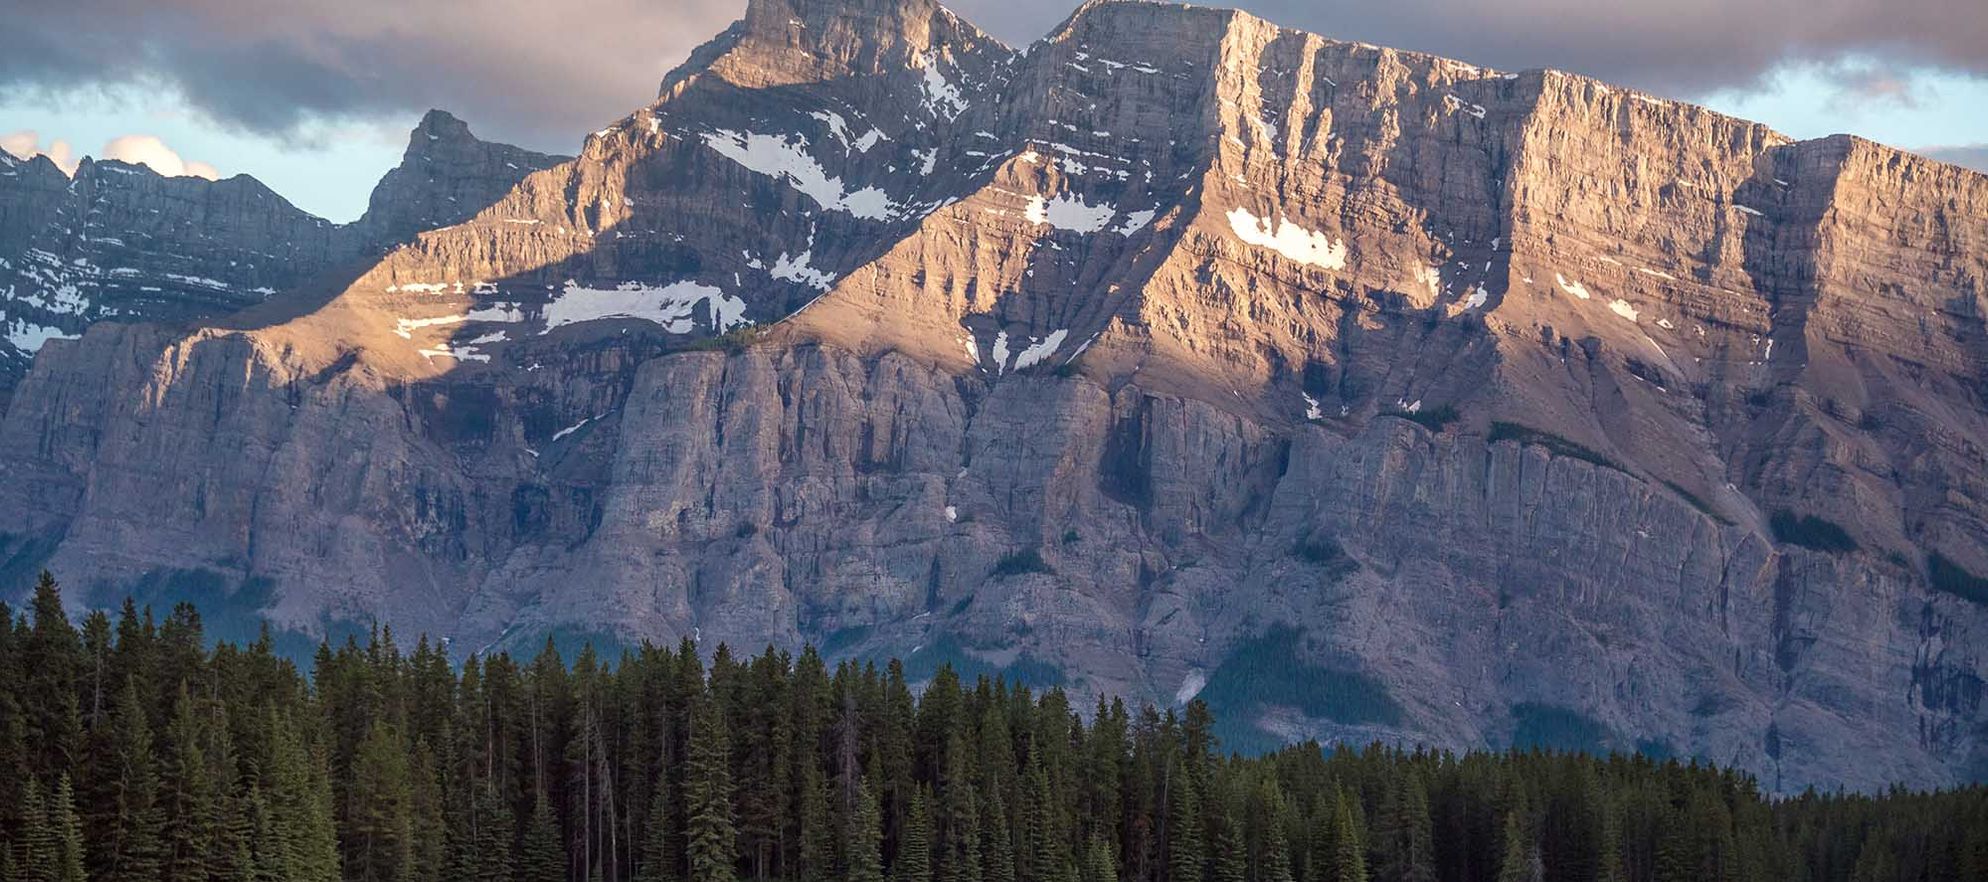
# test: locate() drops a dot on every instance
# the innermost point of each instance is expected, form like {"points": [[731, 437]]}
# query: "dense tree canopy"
{"points": [[130, 750]]}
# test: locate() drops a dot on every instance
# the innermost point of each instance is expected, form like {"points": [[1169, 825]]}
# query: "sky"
{"points": [[316, 97]]}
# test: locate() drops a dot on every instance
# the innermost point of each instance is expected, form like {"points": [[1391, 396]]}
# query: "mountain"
{"points": [[122, 242], [1362, 393]]}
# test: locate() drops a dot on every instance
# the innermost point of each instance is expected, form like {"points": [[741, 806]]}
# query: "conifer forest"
{"points": [[134, 749]]}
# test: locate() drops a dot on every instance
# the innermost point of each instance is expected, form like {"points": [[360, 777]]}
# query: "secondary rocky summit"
{"points": [[121, 242], [1365, 393]]}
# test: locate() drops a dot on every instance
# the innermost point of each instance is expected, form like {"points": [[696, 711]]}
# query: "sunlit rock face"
{"points": [[1366, 394]]}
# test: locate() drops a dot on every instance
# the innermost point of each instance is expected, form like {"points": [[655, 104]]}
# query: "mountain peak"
{"points": [[442, 124], [446, 175], [797, 41]]}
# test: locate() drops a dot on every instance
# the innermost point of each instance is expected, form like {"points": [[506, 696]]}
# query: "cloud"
{"points": [[1860, 84], [149, 150], [26, 144], [539, 73], [1681, 47], [1974, 156], [528, 71]]}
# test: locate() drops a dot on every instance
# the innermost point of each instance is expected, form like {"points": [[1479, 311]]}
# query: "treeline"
{"points": [[130, 751]]}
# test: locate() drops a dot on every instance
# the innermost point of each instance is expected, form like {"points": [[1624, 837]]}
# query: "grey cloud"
{"points": [[1974, 156], [1860, 84], [539, 73], [1681, 47]]}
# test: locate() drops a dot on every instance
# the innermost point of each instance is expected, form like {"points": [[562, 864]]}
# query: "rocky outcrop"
{"points": [[1366, 394], [446, 176]]}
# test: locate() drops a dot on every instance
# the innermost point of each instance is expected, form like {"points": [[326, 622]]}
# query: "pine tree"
{"points": [[1276, 856], [379, 843], [51, 660], [124, 820], [186, 796], [1402, 846], [1099, 864], [1610, 867], [230, 856], [17, 761], [303, 842], [1229, 861], [817, 856], [1047, 851], [427, 832], [1675, 861], [659, 857], [491, 836], [40, 843], [712, 843], [67, 828], [1521, 856], [914, 846], [959, 852], [1349, 841], [1186, 853], [863, 839], [541, 857]]}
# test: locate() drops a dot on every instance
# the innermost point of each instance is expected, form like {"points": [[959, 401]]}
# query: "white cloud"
{"points": [[149, 150], [26, 144]]}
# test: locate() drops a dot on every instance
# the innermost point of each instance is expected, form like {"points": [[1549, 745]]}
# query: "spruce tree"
{"points": [[1099, 865], [541, 856], [913, 862], [959, 851], [1611, 868], [40, 845], [67, 829], [1228, 852], [186, 796], [379, 836], [1186, 853], [230, 844], [51, 660], [999, 849], [1402, 847], [124, 820], [493, 832], [1349, 841], [659, 857], [817, 857], [1520, 862], [303, 843], [712, 847], [863, 838]]}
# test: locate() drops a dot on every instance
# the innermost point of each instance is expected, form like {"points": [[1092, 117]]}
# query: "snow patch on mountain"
{"points": [[942, 98], [29, 337], [778, 157], [1135, 221], [1190, 686], [1039, 349], [1574, 288], [796, 269], [1070, 212], [672, 306], [1288, 239]]}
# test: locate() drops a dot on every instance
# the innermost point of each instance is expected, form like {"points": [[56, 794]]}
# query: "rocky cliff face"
{"points": [[1366, 394], [120, 242]]}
